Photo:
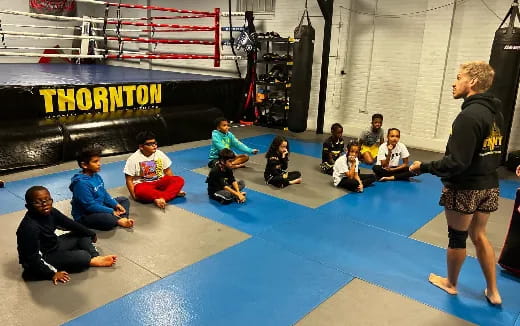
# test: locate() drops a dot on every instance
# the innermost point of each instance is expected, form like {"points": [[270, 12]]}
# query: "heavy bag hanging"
{"points": [[301, 75], [510, 256], [505, 59]]}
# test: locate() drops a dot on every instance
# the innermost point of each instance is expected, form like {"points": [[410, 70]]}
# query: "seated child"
{"points": [[45, 256], [223, 138], [371, 138], [277, 163], [148, 175], [387, 167], [333, 147], [92, 206], [346, 171], [222, 185]]}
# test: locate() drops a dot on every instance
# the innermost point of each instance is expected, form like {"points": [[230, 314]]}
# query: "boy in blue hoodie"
{"points": [[92, 206], [223, 138]]}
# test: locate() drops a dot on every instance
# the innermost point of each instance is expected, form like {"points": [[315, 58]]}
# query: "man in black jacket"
{"points": [[45, 256], [468, 172]]}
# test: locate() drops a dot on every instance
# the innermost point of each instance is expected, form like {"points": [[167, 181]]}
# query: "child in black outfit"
{"points": [[222, 185], [333, 147], [277, 162], [45, 256]]}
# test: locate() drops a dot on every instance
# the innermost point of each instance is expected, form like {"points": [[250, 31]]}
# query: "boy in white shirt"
{"points": [[149, 177], [388, 167]]}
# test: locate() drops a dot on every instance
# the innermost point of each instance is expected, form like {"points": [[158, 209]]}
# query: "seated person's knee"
{"points": [[457, 238]]}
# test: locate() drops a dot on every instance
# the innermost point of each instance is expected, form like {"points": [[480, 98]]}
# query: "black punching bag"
{"points": [[301, 76], [510, 256], [505, 59]]}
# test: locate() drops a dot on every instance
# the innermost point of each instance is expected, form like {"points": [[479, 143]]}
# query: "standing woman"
{"points": [[468, 172]]}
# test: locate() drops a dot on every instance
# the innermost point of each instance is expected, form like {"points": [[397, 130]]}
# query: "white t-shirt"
{"points": [[399, 152], [341, 166], [145, 169]]}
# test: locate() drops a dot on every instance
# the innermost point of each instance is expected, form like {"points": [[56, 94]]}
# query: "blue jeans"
{"points": [[105, 221]]}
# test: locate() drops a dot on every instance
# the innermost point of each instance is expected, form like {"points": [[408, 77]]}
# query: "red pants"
{"points": [[166, 188]]}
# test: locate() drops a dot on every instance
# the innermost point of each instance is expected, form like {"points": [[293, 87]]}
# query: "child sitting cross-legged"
{"points": [[346, 171], [92, 205], [222, 185]]}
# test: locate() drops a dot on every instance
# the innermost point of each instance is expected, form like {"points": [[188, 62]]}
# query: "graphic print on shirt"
{"points": [[151, 170], [493, 142]]}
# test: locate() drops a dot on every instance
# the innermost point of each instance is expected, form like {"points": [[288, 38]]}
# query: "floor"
{"points": [[309, 254]]}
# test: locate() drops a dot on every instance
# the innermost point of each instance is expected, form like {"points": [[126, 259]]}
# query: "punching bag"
{"points": [[510, 256], [505, 59], [301, 75]]}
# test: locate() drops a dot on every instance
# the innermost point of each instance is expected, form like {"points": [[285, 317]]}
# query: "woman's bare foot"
{"points": [[125, 222], [295, 181], [103, 261], [383, 179], [160, 202], [493, 299], [442, 283]]}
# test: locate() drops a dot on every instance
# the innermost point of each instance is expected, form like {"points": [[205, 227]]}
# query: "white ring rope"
{"points": [[35, 48]]}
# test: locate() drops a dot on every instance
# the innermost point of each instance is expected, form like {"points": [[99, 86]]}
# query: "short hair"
{"points": [[336, 126], [482, 72], [352, 143], [87, 154], [391, 129], [377, 116], [29, 194], [226, 154], [143, 136], [219, 120]]}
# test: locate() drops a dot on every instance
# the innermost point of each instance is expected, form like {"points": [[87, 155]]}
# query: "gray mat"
{"points": [[310, 193]]}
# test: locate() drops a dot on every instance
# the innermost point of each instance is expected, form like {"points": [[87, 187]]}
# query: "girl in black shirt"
{"points": [[277, 161]]}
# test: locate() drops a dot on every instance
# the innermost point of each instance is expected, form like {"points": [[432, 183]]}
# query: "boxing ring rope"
{"points": [[149, 28]]}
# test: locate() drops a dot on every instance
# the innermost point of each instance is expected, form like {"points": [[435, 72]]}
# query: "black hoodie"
{"points": [[474, 147]]}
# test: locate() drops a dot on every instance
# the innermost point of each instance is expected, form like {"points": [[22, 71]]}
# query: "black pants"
{"points": [[352, 184], [73, 253], [402, 174], [282, 180], [225, 197], [105, 221]]}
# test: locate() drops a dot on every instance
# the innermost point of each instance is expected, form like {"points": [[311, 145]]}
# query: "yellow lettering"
{"points": [[84, 99], [155, 93], [116, 97], [66, 99], [47, 97], [142, 94], [100, 98], [129, 90]]}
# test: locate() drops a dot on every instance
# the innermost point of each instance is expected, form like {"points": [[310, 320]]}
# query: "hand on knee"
{"points": [[457, 238]]}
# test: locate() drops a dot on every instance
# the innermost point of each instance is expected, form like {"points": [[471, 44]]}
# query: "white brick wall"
{"points": [[399, 65]]}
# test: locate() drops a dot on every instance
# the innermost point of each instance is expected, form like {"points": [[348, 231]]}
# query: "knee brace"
{"points": [[457, 238]]}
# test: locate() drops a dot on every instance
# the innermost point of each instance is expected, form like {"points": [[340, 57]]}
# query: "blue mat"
{"points": [[394, 206], [397, 263], [508, 188], [9, 202], [252, 283], [257, 214]]}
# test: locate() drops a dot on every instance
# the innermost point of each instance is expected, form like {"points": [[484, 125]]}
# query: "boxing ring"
{"points": [[51, 110]]}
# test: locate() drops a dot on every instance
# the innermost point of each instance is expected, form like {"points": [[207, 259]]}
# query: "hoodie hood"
{"points": [[485, 99], [76, 178]]}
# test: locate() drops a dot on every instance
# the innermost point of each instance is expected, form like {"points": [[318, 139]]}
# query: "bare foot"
{"points": [[125, 222], [442, 283], [383, 179], [237, 166], [181, 194], [160, 202], [494, 299], [103, 261], [295, 181]]}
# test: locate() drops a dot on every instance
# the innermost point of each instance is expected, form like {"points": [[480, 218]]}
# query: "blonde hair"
{"points": [[482, 72]]}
